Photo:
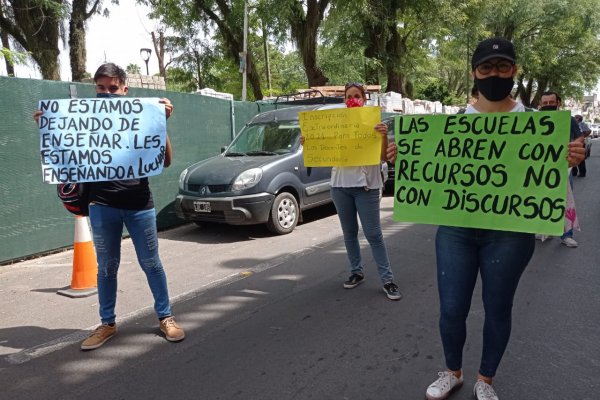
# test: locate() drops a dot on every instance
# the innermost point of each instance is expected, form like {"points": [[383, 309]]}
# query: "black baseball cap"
{"points": [[495, 47]]}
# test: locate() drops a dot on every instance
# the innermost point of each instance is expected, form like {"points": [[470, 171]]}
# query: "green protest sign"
{"points": [[505, 171]]}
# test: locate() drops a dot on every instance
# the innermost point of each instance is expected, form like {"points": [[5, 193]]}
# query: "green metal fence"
{"points": [[32, 220]]}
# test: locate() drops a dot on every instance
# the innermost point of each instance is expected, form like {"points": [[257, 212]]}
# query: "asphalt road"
{"points": [[267, 318]]}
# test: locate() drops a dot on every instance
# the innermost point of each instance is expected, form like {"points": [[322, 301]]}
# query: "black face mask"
{"points": [[495, 88], [548, 108], [108, 95]]}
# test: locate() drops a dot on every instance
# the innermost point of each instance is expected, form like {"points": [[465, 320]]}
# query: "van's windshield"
{"points": [[265, 139]]}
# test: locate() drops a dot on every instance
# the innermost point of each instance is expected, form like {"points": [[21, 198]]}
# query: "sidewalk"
{"points": [[194, 259]]}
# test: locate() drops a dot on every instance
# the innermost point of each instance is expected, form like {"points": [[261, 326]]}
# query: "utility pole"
{"points": [[244, 55]]}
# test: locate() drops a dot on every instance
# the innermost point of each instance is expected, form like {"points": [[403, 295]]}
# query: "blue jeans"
{"points": [[500, 257], [107, 227], [356, 200]]}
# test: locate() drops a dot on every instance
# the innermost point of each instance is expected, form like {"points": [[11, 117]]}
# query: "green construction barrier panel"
{"points": [[32, 219]]}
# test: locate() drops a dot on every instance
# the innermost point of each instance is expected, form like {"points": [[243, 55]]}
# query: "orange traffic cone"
{"points": [[85, 268]]}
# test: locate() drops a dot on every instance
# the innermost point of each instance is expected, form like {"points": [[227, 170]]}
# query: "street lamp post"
{"points": [[145, 54]]}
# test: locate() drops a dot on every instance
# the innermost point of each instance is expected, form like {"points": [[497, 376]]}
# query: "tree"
{"points": [[36, 25], [226, 16], [6, 53], [158, 40], [81, 11], [304, 19], [11, 57], [229, 21], [394, 36], [161, 11], [133, 69], [181, 80]]}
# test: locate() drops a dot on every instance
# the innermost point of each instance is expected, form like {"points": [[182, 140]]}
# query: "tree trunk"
{"points": [[305, 28], [395, 50], [231, 33], [396, 82], [198, 63], [10, 68], [159, 49], [372, 51], [254, 77], [37, 29], [77, 50], [386, 45]]}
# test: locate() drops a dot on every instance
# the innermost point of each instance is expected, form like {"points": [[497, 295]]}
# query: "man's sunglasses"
{"points": [[501, 66]]}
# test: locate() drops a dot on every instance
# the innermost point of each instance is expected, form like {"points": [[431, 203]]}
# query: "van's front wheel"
{"points": [[284, 214]]}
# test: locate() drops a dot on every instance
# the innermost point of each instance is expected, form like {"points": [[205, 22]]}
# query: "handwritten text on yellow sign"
{"points": [[342, 137]]}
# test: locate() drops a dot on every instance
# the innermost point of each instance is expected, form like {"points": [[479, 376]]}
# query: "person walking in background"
{"points": [[551, 101], [129, 203], [581, 170], [500, 257], [356, 193]]}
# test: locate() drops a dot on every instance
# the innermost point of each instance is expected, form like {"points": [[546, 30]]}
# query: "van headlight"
{"points": [[247, 179], [182, 179]]}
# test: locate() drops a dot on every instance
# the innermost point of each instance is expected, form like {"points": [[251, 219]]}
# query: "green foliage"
{"points": [[133, 69], [13, 57], [420, 47], [556, 41], [287, 74], [436, 90], [180, 80], [37, 27]]}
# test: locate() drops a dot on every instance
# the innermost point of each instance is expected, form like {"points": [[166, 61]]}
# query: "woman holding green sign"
{"points": [[356, 194], [499, 256]]}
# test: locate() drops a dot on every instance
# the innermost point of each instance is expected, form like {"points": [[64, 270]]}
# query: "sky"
{"points": [[117, 39]]}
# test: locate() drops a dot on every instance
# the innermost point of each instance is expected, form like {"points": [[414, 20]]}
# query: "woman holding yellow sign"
{"points": [[356, 192]]}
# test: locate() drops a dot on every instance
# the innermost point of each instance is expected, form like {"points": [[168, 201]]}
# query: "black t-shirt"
{"points": [[131, 194]]}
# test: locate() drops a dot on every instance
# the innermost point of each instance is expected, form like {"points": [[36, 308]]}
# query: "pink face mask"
{"points": [[354, 102]]}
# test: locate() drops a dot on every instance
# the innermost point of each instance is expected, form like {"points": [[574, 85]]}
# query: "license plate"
{"points": [[202, 206]]}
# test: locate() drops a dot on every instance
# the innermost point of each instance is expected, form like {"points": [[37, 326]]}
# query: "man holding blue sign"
{"points": [[116, 203]]}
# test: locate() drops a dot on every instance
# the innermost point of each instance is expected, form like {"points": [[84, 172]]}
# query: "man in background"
{"points": [[580, 170], [551, 101]]}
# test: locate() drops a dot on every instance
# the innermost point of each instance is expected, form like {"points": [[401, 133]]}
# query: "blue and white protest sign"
{"points": [[102, 139]]}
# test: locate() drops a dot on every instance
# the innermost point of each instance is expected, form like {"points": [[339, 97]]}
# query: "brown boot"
{"points": [[100, 335], [172, 331]]}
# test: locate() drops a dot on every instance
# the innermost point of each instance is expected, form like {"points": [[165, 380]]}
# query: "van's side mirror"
{"points": [[223, 148]]}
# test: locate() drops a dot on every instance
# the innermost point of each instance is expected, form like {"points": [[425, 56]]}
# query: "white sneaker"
{"points": [[569, 242], [483, 391], [443, 386]]}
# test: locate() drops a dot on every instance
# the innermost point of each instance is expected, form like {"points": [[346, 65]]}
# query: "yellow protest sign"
{"points": [[341, 137]]}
